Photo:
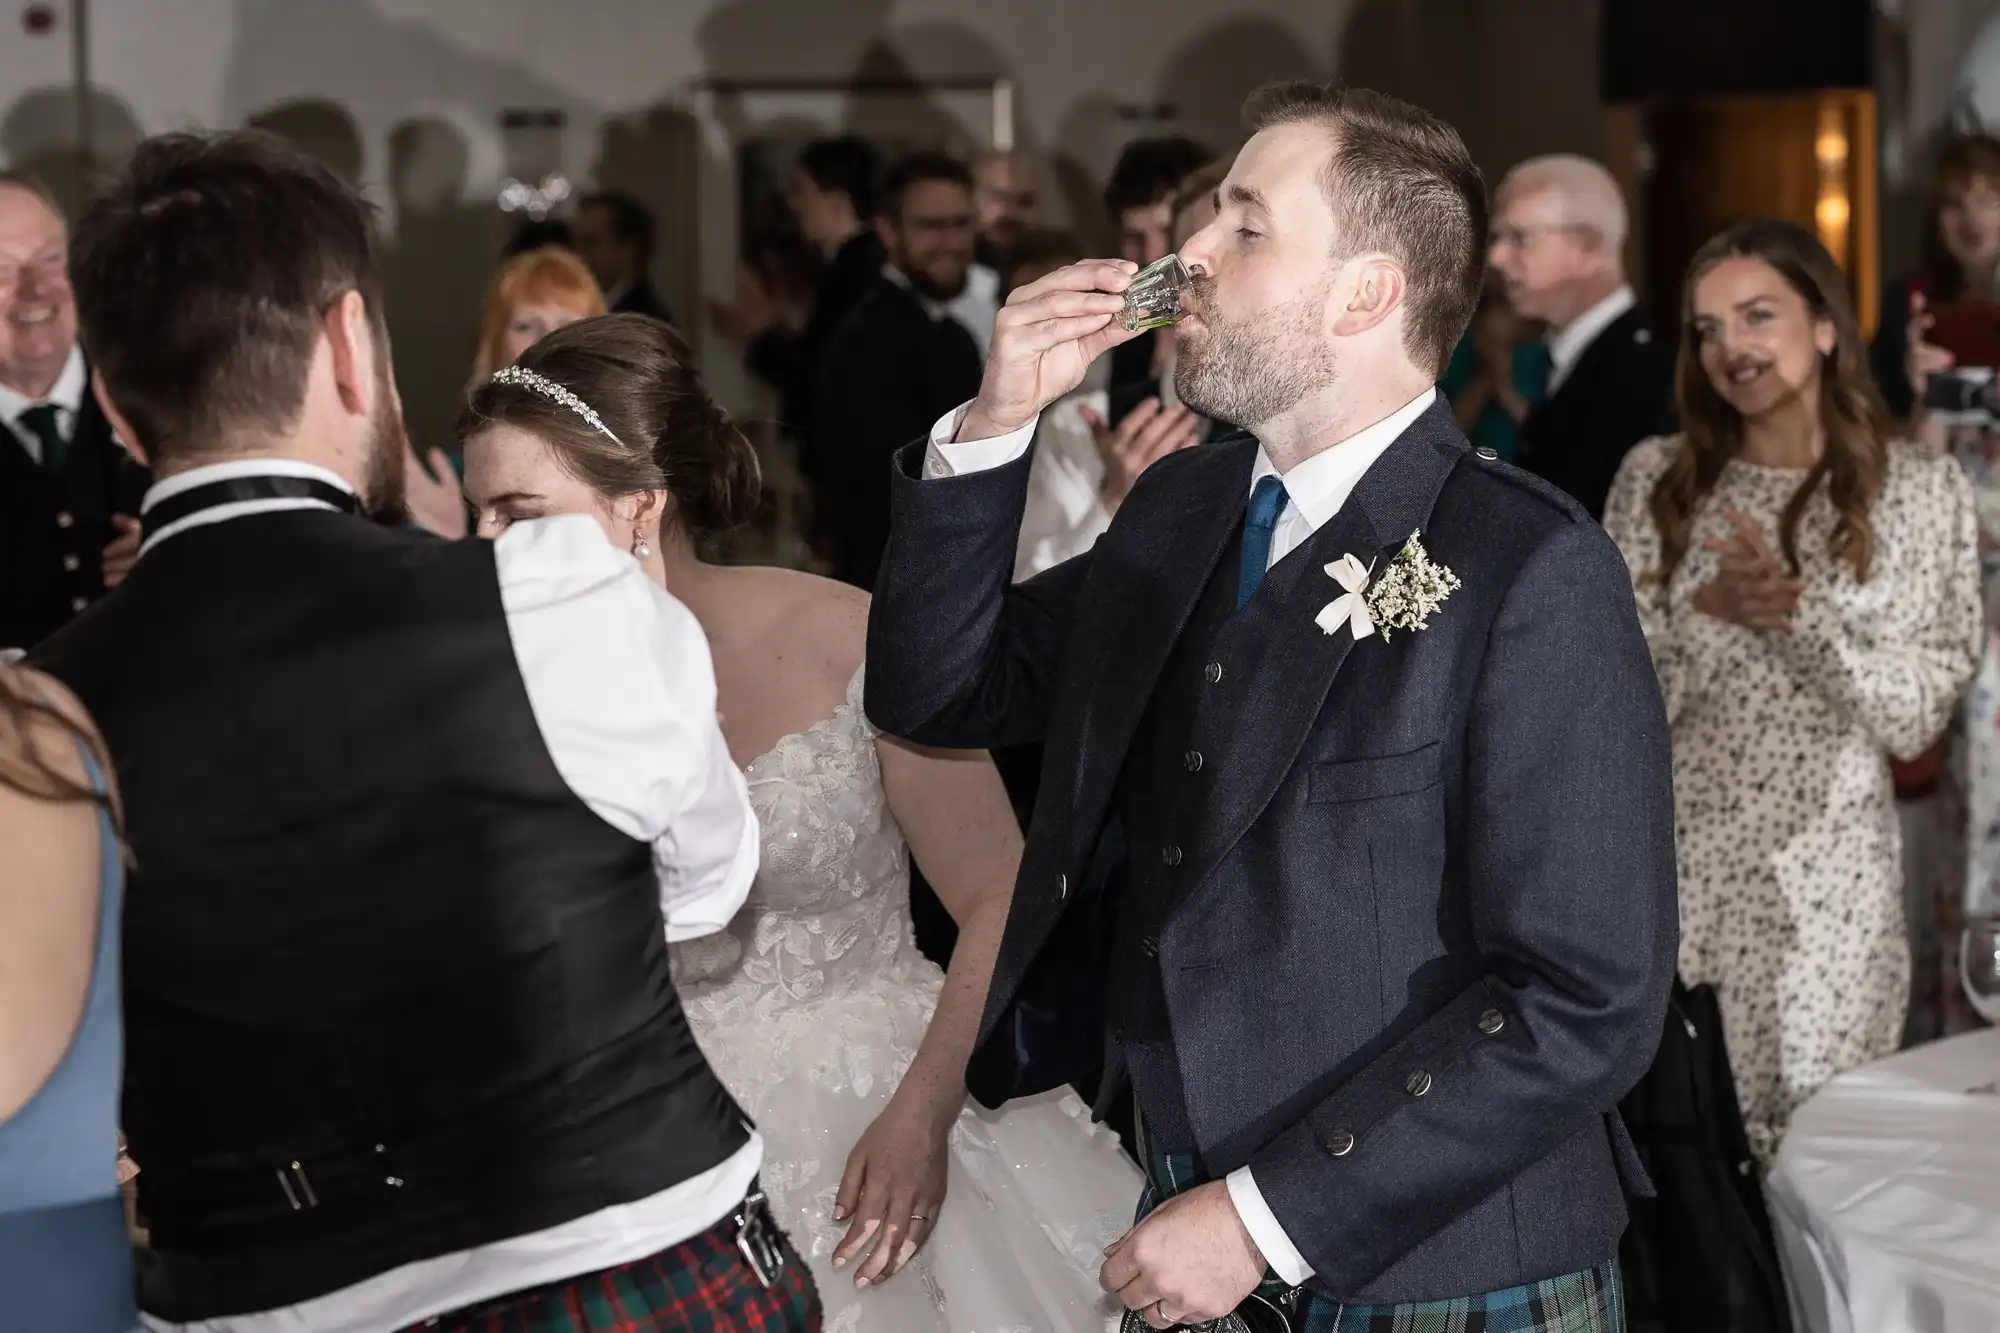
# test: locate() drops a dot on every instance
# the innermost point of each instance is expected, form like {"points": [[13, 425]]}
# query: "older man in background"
{"points": [[1557, 239], [69, 494]]}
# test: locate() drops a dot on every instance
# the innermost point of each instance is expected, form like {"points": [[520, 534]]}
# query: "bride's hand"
{"points": [[893, 1189]]}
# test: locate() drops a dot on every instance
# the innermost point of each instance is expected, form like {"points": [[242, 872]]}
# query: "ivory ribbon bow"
{"points": [[1351, 607]]}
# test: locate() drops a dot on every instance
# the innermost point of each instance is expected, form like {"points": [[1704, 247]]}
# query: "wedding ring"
{"points": [[918, 1217]]}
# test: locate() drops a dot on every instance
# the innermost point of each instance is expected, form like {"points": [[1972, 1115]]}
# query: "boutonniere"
{"points": [[1409, 590]]}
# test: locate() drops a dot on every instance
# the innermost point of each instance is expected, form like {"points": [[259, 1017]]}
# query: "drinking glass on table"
{"points": [[1979, 970]]}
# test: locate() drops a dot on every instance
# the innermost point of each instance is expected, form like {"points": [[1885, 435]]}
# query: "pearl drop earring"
{"points": [[640, 547]]}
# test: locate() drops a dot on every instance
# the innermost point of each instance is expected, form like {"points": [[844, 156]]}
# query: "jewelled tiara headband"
{"points": [[555, 393]]}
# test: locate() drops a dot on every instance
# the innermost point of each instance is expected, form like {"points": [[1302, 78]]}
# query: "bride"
{"points": [[843, 1044]]}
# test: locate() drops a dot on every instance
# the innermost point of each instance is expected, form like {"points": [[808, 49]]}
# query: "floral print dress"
{"points": [[1788, 844]]}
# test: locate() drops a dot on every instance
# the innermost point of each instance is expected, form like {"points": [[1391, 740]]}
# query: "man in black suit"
{"points": [[901, 357], [1377, 720], [613, 235], [1558, 232], [833, 199], [69, 494]]}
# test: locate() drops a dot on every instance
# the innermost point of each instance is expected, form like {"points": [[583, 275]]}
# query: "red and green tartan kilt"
{"points": [[701, 1285]]}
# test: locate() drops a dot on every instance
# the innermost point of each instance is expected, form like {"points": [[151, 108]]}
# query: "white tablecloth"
{"points": [[1886, 1196]]}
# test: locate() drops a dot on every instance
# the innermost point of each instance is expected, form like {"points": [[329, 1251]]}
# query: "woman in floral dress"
{"points": [[1810, 592]]}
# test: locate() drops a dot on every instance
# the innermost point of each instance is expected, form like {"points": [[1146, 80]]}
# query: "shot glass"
{"points": [[1154, 298]]}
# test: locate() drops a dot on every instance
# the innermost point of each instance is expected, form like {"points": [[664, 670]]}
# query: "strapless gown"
{"points": [[810, 1007]]}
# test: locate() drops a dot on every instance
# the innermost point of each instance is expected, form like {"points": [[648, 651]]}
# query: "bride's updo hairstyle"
{"points": [[655, 427]]}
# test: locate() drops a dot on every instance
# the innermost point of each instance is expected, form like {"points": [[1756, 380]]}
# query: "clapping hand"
{"points": [[1147, 434], [122, 551], [1752, 588], [1044, 340], [893, 1188], [1188, 1261], [436, 501], [1925, 358]]}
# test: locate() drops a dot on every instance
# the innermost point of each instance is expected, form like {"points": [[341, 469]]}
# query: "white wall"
{"points": [[627, 72]]}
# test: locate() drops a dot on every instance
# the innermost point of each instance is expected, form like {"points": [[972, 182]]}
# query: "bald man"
{"points": [[1557, 240]]}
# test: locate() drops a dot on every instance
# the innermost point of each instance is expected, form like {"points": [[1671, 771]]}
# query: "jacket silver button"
{"points": [[1170, 855], [1340, 1143], [1417, 1084], [1062, 886], [65, 519], [1487, 453], [79, 603], [72, 562], [1214, 672], [1193, 761], [1492, 1021]]}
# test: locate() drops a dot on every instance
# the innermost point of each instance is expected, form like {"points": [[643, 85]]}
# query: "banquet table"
{"points": [[1886, 1195]]}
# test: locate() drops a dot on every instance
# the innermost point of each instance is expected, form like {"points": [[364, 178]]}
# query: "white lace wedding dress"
{"points": [[810, 1007]]}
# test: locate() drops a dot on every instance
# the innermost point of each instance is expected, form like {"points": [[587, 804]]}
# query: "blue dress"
{"points": [[65, 1257]]}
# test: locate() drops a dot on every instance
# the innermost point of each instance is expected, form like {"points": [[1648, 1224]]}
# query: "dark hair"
{"points": [[1399, 181], [1974, 157], [630, 220], [539, 236], [1039, 245], [1850, 409], [847, 163], [1148, 171], [914, 169], [24, 768], [202, 278], [637, 374]]}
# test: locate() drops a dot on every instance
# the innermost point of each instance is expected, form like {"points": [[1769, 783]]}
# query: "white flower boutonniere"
{"points": [[1404, 597]]}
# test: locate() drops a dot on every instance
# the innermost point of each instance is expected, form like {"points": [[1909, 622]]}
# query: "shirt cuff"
{"points": [[945, 459], [1258, 1219]]}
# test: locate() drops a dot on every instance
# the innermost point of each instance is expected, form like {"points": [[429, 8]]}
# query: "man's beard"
{"points": [[1248, 372], [935, 290], [382, 489]]}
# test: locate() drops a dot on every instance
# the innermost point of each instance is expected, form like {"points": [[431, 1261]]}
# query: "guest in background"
{"points": [[1139, 198], [905, 355], [531, 296], [1004, 195], [1558, 232], [1498, 372], [614, 234], [1954, 839], [1034, 255], [1961, 262], [65, 1260], [1810, 592], [833, 198], [69, 494]]}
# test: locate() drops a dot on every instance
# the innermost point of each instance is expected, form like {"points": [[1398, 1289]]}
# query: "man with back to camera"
{"points": [[1558, 238], [414, 821], [1375, 715]]}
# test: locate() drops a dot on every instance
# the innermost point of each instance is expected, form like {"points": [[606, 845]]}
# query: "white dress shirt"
{"points": [[623, 690], [67, 395], [1568, 343], [1065, 513], [1315, 490]]}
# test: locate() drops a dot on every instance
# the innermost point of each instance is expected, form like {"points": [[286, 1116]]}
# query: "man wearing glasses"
{"points": [[1556, 242]]}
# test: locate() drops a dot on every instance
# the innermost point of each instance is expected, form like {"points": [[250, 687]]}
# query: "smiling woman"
{"points": [[1810, 592]]}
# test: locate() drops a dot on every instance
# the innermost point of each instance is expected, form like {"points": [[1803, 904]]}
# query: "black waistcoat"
{"points": [[372, 932], [54, 526], [1160, 792]]}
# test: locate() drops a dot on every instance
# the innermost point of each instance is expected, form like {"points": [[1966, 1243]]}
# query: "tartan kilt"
{"points": [[1587, 1302], [702, 1285]]}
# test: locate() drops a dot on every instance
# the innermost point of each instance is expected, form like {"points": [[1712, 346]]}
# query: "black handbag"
{"points": [[1700, 1256]]}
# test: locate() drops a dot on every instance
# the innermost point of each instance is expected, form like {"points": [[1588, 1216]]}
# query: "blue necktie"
{"points": [[1267, 501]]}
